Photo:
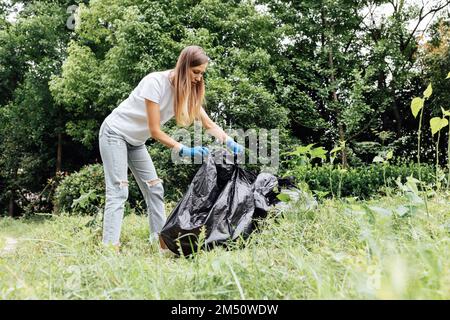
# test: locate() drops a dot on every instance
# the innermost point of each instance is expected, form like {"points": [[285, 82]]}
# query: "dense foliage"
{"points": [[326, 71], [83, 192], [361, 182]]}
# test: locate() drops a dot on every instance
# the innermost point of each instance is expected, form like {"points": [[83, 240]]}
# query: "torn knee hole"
{"points": [[123, 184], [153, 182]]}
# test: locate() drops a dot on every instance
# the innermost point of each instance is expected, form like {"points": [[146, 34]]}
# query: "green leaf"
{"points": [[84, 199], [411, 185], [401, 210], [284, 197], [389, 155], [448, 76], [321, 194], [336, 150], [381, 211], [378, 159], [319, 152], [303, 149], [416, 105], [445, 112], [437, 124], [427, 93], [414, 198]]}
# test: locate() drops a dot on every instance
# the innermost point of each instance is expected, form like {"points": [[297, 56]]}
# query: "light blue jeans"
{"points": [[117, 155]]}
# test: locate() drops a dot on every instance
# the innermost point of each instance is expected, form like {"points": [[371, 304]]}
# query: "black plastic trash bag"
{"points": [[225, 199]]}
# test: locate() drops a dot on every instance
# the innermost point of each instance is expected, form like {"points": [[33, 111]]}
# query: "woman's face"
{"points": [[197, 73]]}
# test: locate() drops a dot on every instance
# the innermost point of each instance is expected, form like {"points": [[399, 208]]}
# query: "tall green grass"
{"points": [[342, 250]]}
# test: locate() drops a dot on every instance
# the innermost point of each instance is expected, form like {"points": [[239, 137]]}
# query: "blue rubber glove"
{"points": [[234, 146], [191, 152]]}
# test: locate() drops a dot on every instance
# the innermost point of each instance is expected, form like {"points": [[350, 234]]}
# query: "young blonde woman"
{"points": [[158, 97]]}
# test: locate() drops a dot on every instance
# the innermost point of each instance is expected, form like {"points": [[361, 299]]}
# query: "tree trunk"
{"points": [[11, 205], [336, 100], [59, 153], [342, 140], [341, 128], [398, 119]]}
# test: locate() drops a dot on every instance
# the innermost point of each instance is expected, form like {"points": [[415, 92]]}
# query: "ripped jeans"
{"points": [[117, 155]]}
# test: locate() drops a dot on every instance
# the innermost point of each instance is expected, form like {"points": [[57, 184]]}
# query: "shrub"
{"points": [[83, 192], [175, 177], [361, 182]]}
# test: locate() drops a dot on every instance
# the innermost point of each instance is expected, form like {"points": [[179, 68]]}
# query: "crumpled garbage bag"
{"points": [[224, 199]]}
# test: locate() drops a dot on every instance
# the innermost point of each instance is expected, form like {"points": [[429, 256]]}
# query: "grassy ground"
{"points": [[342, 250]]}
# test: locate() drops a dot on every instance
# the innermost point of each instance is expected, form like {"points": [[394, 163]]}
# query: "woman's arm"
{"points": [[212, 128], [153, 118]]}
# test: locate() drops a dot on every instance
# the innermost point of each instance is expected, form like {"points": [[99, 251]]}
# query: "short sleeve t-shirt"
{"points": [[130, 118]]}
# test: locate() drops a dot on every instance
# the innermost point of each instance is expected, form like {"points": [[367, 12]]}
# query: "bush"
{"points": [[361, 182], [83, 192], [175, 177]]}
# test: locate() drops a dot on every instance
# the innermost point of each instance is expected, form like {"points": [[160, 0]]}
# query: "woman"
{"points": [[158, 97]]}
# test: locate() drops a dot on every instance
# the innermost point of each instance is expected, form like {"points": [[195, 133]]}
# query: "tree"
{"points": [[31, 52], [353, 72], [79, 77], [434, 56]]}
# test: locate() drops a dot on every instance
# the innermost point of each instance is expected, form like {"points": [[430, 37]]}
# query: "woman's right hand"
{"points": [[191, 152]]}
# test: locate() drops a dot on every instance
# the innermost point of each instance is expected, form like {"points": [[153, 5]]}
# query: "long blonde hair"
{"points": [[188, 99]]}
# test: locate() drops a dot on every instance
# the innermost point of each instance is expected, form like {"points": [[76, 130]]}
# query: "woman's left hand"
{"points": [[234, 146]]}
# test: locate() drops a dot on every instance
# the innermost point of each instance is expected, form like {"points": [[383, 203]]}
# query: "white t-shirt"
{"points": [[130, 118]]}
